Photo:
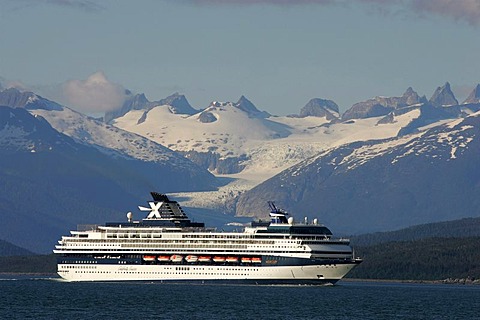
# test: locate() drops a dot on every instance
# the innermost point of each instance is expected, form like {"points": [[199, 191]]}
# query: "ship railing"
{"points": [[87, 227]]}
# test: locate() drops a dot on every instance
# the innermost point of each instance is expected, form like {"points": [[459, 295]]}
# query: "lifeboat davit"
{"points": [[176, 258], [191, 258]]}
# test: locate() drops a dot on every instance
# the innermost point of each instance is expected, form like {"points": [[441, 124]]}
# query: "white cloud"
{"points": [[93, 95], [14, 84]]}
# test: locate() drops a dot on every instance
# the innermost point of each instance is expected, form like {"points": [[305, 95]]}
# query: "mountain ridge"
{"points": [[381, 185]]}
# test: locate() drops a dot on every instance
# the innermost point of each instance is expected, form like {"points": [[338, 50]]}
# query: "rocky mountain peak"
{"points": [[411, 97], [474, 96], [246, 105], [178, 104], [409, 92], [15, 98], [133, 102], [320, 108], [381, 106], [443, 96], [137, 102]]}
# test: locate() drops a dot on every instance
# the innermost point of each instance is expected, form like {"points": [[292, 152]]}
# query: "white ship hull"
{"points": [[319, 274]]}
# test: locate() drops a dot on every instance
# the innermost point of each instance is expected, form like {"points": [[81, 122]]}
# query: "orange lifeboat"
{"points": [[256, 260], [246, 260], [232, 259], [163, 258], [176, 258], [191, 258], [204, 259], [219, 259], [148, 258]]}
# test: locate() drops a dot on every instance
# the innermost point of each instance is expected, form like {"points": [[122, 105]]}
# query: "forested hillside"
{"points": [[426, 259], [468, 227], [28, 264]]}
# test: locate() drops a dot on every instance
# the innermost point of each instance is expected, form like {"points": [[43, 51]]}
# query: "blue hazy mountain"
{"points": [[50, 182], [8, 249]]}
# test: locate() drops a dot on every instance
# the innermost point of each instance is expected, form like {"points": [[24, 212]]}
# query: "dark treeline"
{"points": [[28, 264], [426, 259], [468, 227]]}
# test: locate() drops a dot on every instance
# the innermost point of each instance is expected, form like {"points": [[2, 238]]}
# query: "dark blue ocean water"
{"points": [[30, 298]]}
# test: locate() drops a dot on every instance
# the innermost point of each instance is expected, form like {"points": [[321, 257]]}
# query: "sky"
{"points": [[278, 53]]}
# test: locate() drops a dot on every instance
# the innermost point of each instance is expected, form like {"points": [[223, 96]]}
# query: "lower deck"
{"points": [[156, 272], [183, 260]]}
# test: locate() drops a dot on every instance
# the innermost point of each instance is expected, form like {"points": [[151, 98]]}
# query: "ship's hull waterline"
{"points": [[310, 274]]}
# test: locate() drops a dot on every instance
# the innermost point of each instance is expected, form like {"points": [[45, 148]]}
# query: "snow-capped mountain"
{"points": [[21, 132], [240, 141], [320, 108], [177, 103], [229, 138], [381, 106], [111, 140], [223, 128], [382, 185], [230, 141], [246, 105]]}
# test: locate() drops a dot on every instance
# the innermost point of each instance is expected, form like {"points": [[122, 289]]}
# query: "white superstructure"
{"points": [[168, 246]]}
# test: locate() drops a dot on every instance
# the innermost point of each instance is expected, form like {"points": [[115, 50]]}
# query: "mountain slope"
{"points": [[8, 249], [115, 142], [382, 185], [50, 183]]}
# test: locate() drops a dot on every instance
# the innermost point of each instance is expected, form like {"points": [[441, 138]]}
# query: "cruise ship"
{"points": [[168, 246]]}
